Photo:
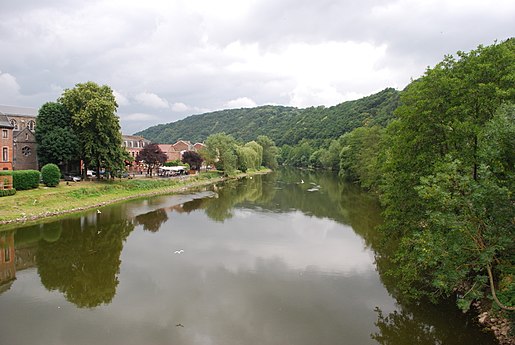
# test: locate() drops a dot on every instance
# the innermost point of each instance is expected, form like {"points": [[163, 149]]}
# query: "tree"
{"points": [[221, 150], [330, 158], [270, 152], [193, 159], [447, 189], [153, 156], [57, 142], [93, 112]]}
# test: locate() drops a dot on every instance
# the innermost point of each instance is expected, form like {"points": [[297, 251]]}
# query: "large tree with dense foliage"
{"points": [[221, 150], [57, 142], [152, 156], [448, 179], [270, 151], [93, 112]]}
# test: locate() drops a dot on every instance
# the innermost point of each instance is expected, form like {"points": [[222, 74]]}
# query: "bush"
{"points": [[50, 174], [7, 192], [23, 179]]}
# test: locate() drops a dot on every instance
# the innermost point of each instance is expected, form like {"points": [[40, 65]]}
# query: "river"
{"points": [[284, 258]]}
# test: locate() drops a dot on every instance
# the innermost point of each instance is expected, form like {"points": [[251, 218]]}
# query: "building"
{"points": [[134, 144], [174, 151], [6, 143], [24, 147]]}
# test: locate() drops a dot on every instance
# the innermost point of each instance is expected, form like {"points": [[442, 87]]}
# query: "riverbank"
{"points": [[70, 197]]}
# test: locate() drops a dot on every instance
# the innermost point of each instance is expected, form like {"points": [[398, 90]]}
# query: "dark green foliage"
{"points": [[7, 192], [448, 177], [94, 122], [57, 142], [283, 125], [50, 174], [23, 179]]}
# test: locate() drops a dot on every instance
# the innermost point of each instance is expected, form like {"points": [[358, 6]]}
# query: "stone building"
{"points": [[24, 147]]}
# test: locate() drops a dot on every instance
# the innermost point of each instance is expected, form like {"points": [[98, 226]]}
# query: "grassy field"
{"points": [[69, 197]]}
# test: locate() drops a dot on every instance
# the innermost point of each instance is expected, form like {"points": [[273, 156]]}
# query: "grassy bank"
{"points": [[71, 197]]}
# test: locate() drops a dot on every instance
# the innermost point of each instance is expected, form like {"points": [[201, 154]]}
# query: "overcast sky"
{"points": [[169, 59]]}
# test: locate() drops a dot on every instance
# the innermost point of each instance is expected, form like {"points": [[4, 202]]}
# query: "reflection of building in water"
{"points": [[7, 262]]}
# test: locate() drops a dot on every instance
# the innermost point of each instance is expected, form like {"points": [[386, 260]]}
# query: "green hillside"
{"points": [[284, 125]]}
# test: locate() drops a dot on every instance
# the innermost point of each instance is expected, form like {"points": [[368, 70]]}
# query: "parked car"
{"points": [[69, 177]]}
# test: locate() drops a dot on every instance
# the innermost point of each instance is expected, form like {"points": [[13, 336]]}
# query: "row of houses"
{"points": [[18, 141]]}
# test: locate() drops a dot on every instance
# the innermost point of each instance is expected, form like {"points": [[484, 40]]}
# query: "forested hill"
{"points": [[284, 125]]}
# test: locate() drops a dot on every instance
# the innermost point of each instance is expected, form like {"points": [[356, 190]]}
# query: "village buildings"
{"points": [[174, 151], [19, 148]]}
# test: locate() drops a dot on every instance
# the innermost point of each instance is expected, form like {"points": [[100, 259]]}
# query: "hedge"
{"points": [[7, 192], [23, 179], [50, 174]]}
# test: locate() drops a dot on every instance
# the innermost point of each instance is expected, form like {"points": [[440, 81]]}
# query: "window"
{"points": [[5, 134], [32, 125], [26, 151], [7, 254], [5, 154], [125, 144], [14, 123]]}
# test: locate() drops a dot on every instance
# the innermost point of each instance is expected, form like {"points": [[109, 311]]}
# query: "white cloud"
{"points": [[9, 89], [120, 98], [180, 107], [203, 53], [138, 117], [151, 100], [242, 102]]}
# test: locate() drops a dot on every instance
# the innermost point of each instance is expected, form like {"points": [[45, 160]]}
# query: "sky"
{"points": [[168, 59]]}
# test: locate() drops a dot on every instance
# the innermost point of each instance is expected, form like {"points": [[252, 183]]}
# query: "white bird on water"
{"points": [[98, 211], [179, 251], [301, 181]]}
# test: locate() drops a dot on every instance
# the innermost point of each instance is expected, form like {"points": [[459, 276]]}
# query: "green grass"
{"points": [[75, 196]]}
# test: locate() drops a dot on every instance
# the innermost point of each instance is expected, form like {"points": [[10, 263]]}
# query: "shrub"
{"points": [[23, 179], [7, 192], [50, 174]]}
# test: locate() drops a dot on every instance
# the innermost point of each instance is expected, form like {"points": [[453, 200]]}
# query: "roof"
{"points": [[133, 137], [164, 147], [4, 121], [12, 110]]}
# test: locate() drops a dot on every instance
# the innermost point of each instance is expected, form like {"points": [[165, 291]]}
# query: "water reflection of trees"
{"points": [[152, 221], [253, 190], [427, 324], [84, 263]]}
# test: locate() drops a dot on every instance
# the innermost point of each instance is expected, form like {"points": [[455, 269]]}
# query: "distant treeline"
{"points": [[284, 125]]}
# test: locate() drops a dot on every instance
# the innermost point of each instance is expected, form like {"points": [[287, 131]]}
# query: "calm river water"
{"points": [[286, 258]]}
